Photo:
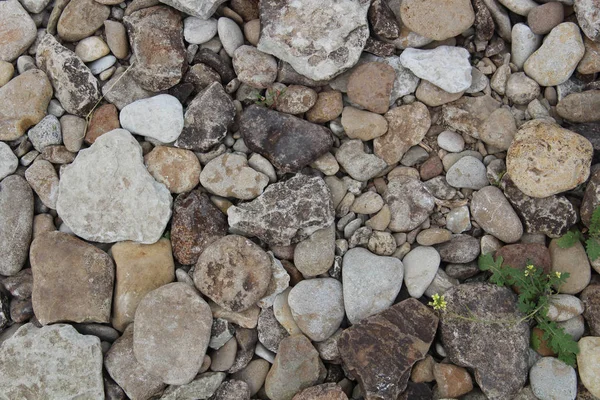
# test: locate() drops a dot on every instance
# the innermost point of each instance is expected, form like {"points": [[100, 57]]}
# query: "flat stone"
{"points": [[537, 146], [86, 295], [43, 179], [79, 357], [438, 20], [409, 201], [315, 255], [98, 197], [290, 30], [76, 88], [445, 66], [368, 291], [253, 67], [116, 38], [124, 89], [357, 163], [468, 172], [207, 118], [172, 331], [81, 18], [543, 18], [326, 391], [160, 57], [499, 129], [587, 17], [159, 117], [492, 211], [178, 169], [588, 363], [230, 176], [18, 30], [420, 267], [469, 342], [140, 268], [573, 260], [552, 378], [380, 351], [363, 125], [580, 107], [554, 62], [460, 249], [370, 86], [16, 219], [468, 114], [199, 31], [524, 43]]}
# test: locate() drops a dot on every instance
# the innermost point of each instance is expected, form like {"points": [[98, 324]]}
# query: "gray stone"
{"points": [[201, 9], [99, 193], [438, 20], [43, 179], [494, 214], [468, 172], [553, 379], [410, 203], [580, 107], [232, 390], [451, 141], [587, 16], [420, 267], [521, 89], [253, 67], [18, 30], [524, 44], [122, 89], [357, 163], [81, 18], [270, 331], [159, 117], [460, 249], [230, 34], [198, 30], [202, 387], [45, 133], [314, 255], [8, 161]]}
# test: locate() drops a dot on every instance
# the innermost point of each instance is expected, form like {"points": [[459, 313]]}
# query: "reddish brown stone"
{"points": [[104, 119], [328, 107], [521, 255], [326, 391], [370, 86], [431, 168], [452, 381]]}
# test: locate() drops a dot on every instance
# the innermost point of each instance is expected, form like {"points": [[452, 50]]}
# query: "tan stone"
{"points": [[43, 223], [91, 49], [423, 370], [326, 391], [573, 260], [178, 169], [590, 63], [588, 363], [6, 72], [328, 107], [370, 85], [452, 381], [141, 268], [363, 125], [437, 19], [116, 38], [499, 129], [433, 96], [580, 107], [252, 31], [81, 18], [296, 99], [230, 176], [246, 319], [104, 119], [17, 30], [43, 179]]}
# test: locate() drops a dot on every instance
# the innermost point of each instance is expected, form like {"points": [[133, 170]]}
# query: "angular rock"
{"points": [[16, 219], [484, 23], [439, 19], [124, 89], [178, 169], [409, 201], [8, 161], [159, 117], [587, 16], [468, 114], [253, 67], [74, 85], [492, 211], [172, 331], [86, 296], [499, 129], [43, 179], [383, 20], [326, 391], [297, 33], [580, 107], [591, 199], [67, 364], [160, 56], [469, 343], [370, 86], [230, 176], [358, 164], [380, 351], [81, 18], [18, 30], [202, 9], [45, 133], [270, 331], [207, 119]]}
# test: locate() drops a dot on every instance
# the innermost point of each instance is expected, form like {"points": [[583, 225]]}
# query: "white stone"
{"points": [[198, 31], [521, 7], [446, 67], [458, 219], [468, 172], [230, 176], [371, 283], [551, 378], [159, 117], [524, 43], [563, 307], [230, 34], [420, 267], [102, 64], [451, 141], [107, 195], [202, 9], [8, 161]]}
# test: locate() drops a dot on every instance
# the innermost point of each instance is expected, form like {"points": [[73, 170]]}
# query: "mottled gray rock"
{"points": [[124, 89], [45, 133], [232, 390], [16, 222], [51, 362], [494, 214], [253, 67], [202, 387], [99, 193], [315, 255], [588, 18], [553, 379], [357, 163], [468, 172], [270, 331], [287, 212], [460, 249], [201, 9], [8, 161], [468, 114], [410, 203]]}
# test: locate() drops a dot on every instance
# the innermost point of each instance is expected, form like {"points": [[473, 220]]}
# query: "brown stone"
{"points": [[116, 38], [590, 63], [296, 99], [247, 9], [383, 20], [81, 18], [141, 268], [431, 168], [18, 30], [77, 273], [328, 107], [370, 85], [437, 19], [591, 198], [433, 96], [178, 169], [484, 24], [380, 350], [543, 18], [58, 154], [580, 107], [522, 254], [201, 76], [104, 119], [591, 300], [326, 391], [423, 370], [452, 381]]}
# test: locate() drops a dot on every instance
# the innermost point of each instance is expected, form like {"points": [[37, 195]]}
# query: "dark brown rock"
{"points": [[591, 300], [201, 76], [212, 59], [522, 254], [591, 198], [417, 391], [246, 343], [197, 222], [232, 390], [156, 38], [20, 310], [326, 391], [380, 351], [431, 168], [207, 118], [290, 143], [104, 119], [247, 9], [379, 48], [497, 352], [484, 24], [383, 21], [19, 285]]}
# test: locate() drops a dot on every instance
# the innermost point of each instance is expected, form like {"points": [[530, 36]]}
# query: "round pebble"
{"points": [[451, 141], [198, 31]]}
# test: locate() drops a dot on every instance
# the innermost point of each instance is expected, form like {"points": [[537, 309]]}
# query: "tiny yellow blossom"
{"points": [[529, 270], [438, 303], [558, 274]]}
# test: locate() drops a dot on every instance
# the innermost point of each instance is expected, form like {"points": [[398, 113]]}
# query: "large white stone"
{"points": [[420, 266], [107, 195], [202, 9], [159, 117], [198, 31], [446, 67]]}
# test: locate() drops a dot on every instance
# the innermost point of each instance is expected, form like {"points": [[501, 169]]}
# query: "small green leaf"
{"points": [[592, 248], [595, 223], [569, 239]]}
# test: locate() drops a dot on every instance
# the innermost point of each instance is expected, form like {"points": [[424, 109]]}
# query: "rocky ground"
{"points": [[250, 199]]}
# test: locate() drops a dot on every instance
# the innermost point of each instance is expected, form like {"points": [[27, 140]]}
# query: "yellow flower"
{"points": [[558, 274], [438, 303], [529, 270]]}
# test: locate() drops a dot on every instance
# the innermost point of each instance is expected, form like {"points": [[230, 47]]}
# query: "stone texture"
{"points": [[230, 176], [233, 272], [380, 351], [591, 199], [590, 297], [51, 362], [140, 268], [315, 255], [91, 49], [124, 89], [8, 161], [492, 211], [326, 391], [18, 30], [116, 38], [253, 67], [588, 363], [543, 18], [202, 10], [409, 201], [296, 99], [178, 169], [499, 129], [533, 153], [202, 387], [104, 119], [460, 249], [172, 331], [370, 86], [587, 16], [358, 164], [439, 19], [328, 107], [452, 381], [522, 254], [86, 296], [160, 57], [420, 268], [45, 133], [468, 114], [580, 107], [363, 125], [159, 117], [383, 20], [469, 343], [552, 378], [290, 31], [81, 18], [43, 179], [468, 172], [230, 35], [573, 260], [16, 219]]}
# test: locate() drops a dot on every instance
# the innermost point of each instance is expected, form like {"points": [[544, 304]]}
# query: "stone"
{"points": [[500, 17], [123, 89], [253, 67], [18, 30], [563, 307], [207, 118], [460, 249], [551, 378], [8, 161], [81, 18], [499, 129], [79, 357], [288, 142], [91, 49], [468, 114], [326, 391], [590, 297], [469, 342], [247, 343], [203, 387], [420, 267], [315, 255], [409, 201], [492, 211], [222, 359], [317, 306], [296, 99], [357, 163], [140, 268], [230, 176], [160, 57], [45, 133], [452, 381], [98, 193], [574, 261], [363, 125], [543, 18], [270, 331], [233, 272], [380, 351], [198, 31], [6, 72], [407, 126], [446, 67], [127, 372], [43, 179], [104, 119], [405, 83], [116, 38], [230, 34], [172, 331], [16, 219], [522, 254], [283, 313], [438, 20], [554, 62], [521, 89], [587, 16], [203, 10], [232, 390], [431, 236], [591, 199], [458, 219], [367, 203], [178, 169], [536, 146], [75, 87], [580, 107], [588, 363], [254, 375], [197, 222], [468, 172], [86, 296], [484, 23], [328, 107], [289, 31], [451, 141], [370, 86], [159, 117]]}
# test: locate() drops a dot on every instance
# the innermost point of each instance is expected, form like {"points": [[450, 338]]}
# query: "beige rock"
{"points": [[283, 313], [574, 261], [580, 107], [588, 363], [230, 176], [327, 108], [254, 374], [381, 220], [296, 99], [223, 358], [91, 49], [367, 203], [499, 129], [370, 85], [81, 18], [141, 268], [314, 255], [6, 72], [467, 114], [326, 391], [73, 131], [17, 30], [431, 236], [452, 381], [363, 125], [178, 169], [437, 19], [423, 370], [246, 319], [116, 38], [327, 164], [433, 96], [44, 181], [252, 31], [43, 223], [590, 63]]}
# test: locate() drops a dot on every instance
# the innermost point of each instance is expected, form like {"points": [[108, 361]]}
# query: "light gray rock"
{"points": [[320, 39], [521, 89], [588, 18], [520, 7], [524, 43], [468, 172], [18, 30], [102, 64], [446, 67], [451, 141], [159, 117], [230, 34], [357, 163], [16, 222], [198, 31], [564, 307], [409, 201], [203, 387], [8, 161], [458, 219], [124, 89], [495, 215], [51, 362], [405, 83], [420, 267], [230, 176], [99, 193], [314, 255], [35, 6], [201, 9], [253, 67], [371, 283], [551, 378], [45, 133], [500, 17], [43, 179]]}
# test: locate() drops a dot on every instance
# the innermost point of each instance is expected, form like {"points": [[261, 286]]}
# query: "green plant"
{"points": [[534, 288], [592, 243], [270, 98]]}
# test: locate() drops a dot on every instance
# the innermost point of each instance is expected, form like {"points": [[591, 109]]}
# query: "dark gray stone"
{"points": [[214, 61], [383, 21], [246, 343], [270, 331], [460, 249], [484, 24], [232, 390]]}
